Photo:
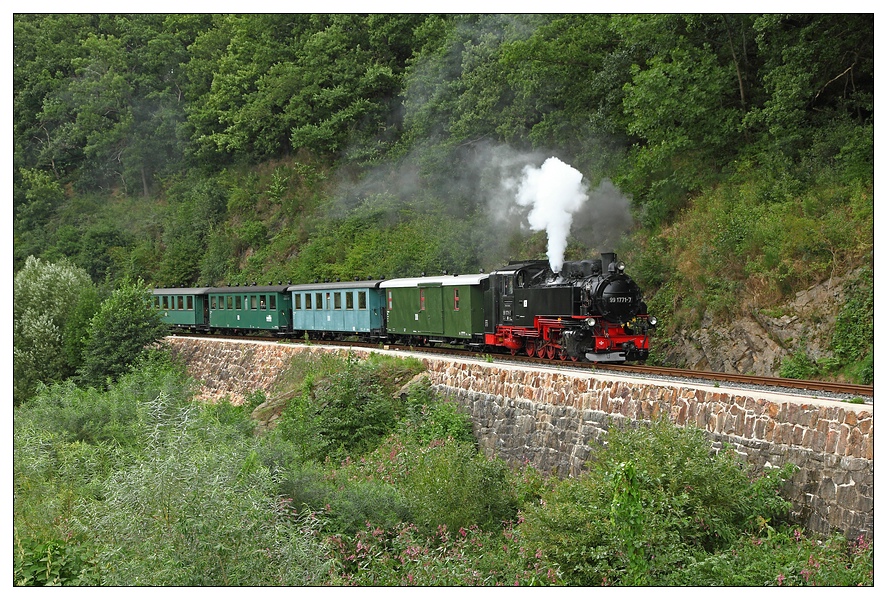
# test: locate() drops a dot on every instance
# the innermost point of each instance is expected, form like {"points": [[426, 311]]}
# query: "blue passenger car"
{"points": [[338, 308]]}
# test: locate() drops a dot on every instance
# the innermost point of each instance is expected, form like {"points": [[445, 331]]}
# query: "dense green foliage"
{"points": [[51, 307], [206, 149], [637, 519], [137, 484], [123, 327]]}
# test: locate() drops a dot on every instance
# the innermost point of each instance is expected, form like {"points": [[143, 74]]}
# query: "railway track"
{"points": [[848, 390]]}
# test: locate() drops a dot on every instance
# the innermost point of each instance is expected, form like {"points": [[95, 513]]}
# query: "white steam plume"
{"points": [[554, 192]]}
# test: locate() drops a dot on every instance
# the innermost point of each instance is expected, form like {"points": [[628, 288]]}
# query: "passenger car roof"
{"points": [[335, 285], [448, 280]]}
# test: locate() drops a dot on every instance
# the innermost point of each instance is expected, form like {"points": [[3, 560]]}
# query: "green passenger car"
{"points": [[182, 308], [267, 307], [442, 309]]}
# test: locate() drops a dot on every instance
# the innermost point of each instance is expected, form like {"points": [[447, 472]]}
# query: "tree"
{"points": [[49, 304], [124, 326]]}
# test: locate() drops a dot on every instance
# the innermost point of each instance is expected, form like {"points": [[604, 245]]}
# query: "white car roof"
{"points": [[448, 280]]}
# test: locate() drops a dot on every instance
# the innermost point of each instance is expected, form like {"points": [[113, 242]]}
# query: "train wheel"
{"points": [[513, 351], [531, 348], [562, 354], [574, 358], [549, 352]]}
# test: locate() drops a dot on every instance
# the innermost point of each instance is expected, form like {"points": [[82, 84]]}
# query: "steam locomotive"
{"points": [[589, 310]]}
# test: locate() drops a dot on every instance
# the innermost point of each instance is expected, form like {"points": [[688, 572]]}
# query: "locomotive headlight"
{"points": [[590, 321], [653, 321], [621, 267]]}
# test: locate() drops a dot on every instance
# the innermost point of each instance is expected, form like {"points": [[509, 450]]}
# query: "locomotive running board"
{"points": [[606, 356]]}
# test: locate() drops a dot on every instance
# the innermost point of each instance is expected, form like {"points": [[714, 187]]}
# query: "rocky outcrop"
{"points": [[757, 343]]}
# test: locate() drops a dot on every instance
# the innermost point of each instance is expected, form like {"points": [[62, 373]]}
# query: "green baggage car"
{"points": [[441, 309]]}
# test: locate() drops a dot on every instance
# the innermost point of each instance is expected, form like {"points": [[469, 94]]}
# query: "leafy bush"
{"points": [[124, 326], [144, 487], [51, 304], [445, 483], [854, 336], [351, 414], [429, 418], [197, 513], [53, 562], [798, 365], [654, 495], [340, 406], [405, 556], [782, 557], [347, 503]]}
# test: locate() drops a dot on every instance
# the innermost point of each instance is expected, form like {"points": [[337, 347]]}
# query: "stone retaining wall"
{"points": [[553, 419]]}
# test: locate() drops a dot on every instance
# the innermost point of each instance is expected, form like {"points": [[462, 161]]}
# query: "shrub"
{"points": [[853, 339], [51, 304], [52, 562], [428, 418], [654, 496], [798, 365], [347, 503], [124, 326], [782, 557], [198, 511], [340, 406], [406, 556], [445, 483]]}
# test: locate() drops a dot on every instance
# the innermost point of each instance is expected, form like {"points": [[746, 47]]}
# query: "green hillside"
{"points": [[728, 159]]}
